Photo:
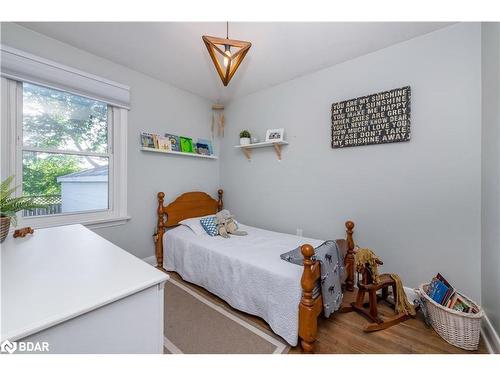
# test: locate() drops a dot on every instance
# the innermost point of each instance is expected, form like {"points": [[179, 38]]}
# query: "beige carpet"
{"points": [[195, 325]]}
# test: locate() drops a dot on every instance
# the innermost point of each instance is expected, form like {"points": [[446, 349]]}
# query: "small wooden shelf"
{"points": [[178, 153], [247, 149]]}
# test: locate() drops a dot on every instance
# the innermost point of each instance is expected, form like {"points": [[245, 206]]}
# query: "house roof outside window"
{"points": [[97, 174]]}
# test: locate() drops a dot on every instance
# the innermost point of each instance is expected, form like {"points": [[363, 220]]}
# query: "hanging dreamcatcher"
{"points": [[218, 120]]}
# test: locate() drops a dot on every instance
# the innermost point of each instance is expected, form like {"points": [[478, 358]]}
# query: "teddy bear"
{"points": [[226, 224]]}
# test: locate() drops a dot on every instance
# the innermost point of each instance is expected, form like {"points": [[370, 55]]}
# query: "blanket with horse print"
{"points": [[332, 273]]}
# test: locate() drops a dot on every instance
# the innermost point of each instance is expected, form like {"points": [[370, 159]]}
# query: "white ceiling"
{"points": [[174, 52]]}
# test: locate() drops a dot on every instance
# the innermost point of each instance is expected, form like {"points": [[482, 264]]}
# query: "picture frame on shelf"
{"points": [[275, 135]]}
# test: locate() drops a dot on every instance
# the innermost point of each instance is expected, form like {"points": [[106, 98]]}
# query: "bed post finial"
{"points": [[349, 258], [307, 317], [160, 230], [220, 192]]}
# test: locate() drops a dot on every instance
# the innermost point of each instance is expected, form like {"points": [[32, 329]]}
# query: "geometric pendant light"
{"points": [[226, 61]]}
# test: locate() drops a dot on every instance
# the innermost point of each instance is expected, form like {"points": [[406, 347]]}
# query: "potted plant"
{"points": [[9, 205], [244, 137]]}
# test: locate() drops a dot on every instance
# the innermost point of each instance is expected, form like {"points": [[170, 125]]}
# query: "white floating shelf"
{"points": [[178, 153], [247, 149]]}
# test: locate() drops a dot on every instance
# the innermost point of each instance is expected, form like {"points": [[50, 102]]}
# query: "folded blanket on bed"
{"points": [[332, 273]]}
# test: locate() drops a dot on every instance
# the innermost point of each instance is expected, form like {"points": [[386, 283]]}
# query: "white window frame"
{"points": [[12, 163]]}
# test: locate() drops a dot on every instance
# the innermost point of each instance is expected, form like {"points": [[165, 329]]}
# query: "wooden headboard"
{"points": [[185, 206], [188, 205]]}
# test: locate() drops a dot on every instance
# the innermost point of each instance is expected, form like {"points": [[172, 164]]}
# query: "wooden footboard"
{"points": [[310, 308]]}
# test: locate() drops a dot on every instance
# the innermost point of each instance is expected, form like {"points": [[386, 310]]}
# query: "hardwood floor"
{"points": [[343, 333]]}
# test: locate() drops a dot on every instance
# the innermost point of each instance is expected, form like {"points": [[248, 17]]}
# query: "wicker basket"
{"points": [[456, 327], [4, 227]]}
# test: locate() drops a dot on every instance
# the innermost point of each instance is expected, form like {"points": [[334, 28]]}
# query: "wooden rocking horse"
{"points": [[367, 285]]}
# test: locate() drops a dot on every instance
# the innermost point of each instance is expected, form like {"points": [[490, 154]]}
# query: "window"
{"points": [[65, 151], [69, 153]]}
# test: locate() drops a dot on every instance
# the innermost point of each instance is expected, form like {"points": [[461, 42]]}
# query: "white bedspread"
{"points": [[246, 272]]}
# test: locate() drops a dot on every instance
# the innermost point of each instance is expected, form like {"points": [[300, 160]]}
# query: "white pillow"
{"points": [[195, 225]]}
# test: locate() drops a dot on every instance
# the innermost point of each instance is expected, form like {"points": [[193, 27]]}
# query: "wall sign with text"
{"points": [[372, 119]]}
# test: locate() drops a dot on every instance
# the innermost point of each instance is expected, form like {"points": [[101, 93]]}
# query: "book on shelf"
{"points": [[174, 142], [202, 149], [148, 140], [164, 143], [205, 144], [186, 144]]}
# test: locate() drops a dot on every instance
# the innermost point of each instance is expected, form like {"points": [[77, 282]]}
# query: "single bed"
{"points": [[247, 272]]}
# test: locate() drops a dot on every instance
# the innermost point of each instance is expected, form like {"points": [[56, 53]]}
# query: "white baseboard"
{"points": [[490, 336], [150, 260]]}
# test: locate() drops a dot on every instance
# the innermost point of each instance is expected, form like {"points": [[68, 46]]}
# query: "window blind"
{"points": [[22, 66]]}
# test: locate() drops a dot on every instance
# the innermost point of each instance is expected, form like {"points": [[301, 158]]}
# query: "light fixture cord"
{"points": [[227, 29]]}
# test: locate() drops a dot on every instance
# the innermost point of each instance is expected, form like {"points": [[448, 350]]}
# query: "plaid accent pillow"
{"points": [[208, 223]]}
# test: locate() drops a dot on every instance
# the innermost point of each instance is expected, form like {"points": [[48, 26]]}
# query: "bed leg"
{"points": [[307, 347], [308, 327], [349, 258], [160, 230], [308, 324], [159, 250]]}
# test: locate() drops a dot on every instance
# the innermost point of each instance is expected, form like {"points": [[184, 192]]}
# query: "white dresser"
{"points": [[70, 288]]}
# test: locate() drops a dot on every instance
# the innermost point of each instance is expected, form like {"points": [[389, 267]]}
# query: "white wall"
{"points": [[156, 107], [416, 204], [490, 271]]}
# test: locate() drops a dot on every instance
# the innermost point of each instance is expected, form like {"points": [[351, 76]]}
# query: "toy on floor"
{"points": [[226, 224], [367, 263]]}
